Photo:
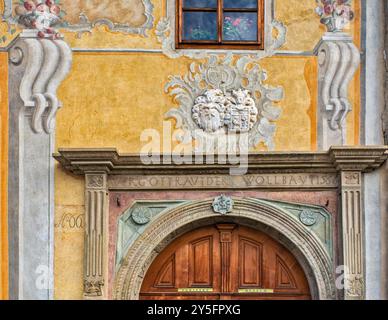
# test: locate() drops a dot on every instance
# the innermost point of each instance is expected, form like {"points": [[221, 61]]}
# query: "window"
{"points": [[220, 24]]}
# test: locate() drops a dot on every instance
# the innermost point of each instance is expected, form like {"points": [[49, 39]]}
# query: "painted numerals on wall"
{"points": [[69, 221]]}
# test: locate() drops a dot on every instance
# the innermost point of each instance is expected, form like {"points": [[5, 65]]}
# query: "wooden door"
{"points": [[225, 261]]}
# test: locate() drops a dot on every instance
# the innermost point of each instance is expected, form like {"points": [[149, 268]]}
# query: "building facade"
{"points": [[162, 149]]}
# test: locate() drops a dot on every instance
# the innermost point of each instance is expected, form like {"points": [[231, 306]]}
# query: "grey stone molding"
{"points": [[36, 69], [364, 159], [353, 235], [338, 60]]}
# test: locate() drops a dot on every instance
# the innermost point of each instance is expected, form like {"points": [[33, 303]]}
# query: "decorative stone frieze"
{"points": [[37, 66], [96, 202], [338, 60]]}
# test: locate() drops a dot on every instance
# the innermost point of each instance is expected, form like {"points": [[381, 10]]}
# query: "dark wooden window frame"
{"points": [[219, 44]]}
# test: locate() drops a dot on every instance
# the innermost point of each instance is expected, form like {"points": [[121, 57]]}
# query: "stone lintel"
{"points": [[363, 159]]}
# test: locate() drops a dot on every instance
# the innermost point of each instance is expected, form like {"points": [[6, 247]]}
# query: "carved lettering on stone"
{"points": [[250, 181]]}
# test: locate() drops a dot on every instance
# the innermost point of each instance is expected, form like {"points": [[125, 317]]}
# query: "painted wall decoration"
{"points": [[101, 113], [126, 16], [335, 14], [225, 96]]}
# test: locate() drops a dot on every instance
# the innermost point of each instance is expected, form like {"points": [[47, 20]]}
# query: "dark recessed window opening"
{"points": [[220, 24]]}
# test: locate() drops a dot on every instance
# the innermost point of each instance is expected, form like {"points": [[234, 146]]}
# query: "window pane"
{"points": [[200, 4], [200, 26], [250, 4], [240, 26]]}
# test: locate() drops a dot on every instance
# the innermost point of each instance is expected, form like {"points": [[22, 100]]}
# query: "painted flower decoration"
{"points": [[41, 15], [335, 14]]}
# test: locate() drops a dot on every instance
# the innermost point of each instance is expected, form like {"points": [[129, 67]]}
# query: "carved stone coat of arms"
{"points": [[226, 96]]}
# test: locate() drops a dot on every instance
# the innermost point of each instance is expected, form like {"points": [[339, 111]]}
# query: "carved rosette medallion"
{"points": [[308, 217], [223, 204], [141, 215], [225, 97]]}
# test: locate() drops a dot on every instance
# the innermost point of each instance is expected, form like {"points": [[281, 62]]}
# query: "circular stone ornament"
{"points": [[308, 217], [141, 216]]}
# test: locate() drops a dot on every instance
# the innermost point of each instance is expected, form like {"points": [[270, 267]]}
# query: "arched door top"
{"points": [[306, 246]]}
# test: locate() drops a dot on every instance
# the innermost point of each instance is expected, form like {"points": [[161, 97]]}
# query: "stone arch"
{"points": [[306, 247]]}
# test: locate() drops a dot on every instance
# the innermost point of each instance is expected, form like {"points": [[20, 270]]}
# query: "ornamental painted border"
{"points": [[86, 26]]}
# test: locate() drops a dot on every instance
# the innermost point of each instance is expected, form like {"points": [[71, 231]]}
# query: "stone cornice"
{"points": [[108, 160]]}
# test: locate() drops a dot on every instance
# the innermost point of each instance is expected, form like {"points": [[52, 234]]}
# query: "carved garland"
{"points": [[158, 235]]}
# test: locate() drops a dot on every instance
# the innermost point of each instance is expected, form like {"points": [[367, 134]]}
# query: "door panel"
{"points": [[224, 262], [201, 263]]}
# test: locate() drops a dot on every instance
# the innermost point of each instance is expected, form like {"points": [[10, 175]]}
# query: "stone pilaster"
{"points": [[353, 234], [338, 60], [96, 205], [36, 69]]}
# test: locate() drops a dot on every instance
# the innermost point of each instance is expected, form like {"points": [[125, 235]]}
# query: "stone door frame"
{"points": [[341, 168]]}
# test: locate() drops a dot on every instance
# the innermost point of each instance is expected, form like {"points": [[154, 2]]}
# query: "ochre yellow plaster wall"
{"points": [[3, 175], [110, 98]]}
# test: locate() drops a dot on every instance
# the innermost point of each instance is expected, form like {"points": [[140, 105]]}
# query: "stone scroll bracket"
{"points": [[96, 231], [338, 60], [37, 67]]}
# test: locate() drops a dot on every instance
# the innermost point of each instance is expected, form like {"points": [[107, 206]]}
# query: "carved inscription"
{"points": [[265, 181]]}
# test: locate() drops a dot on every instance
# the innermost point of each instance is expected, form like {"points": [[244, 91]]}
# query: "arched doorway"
{"points": [[225, 261], [255, 213]]}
